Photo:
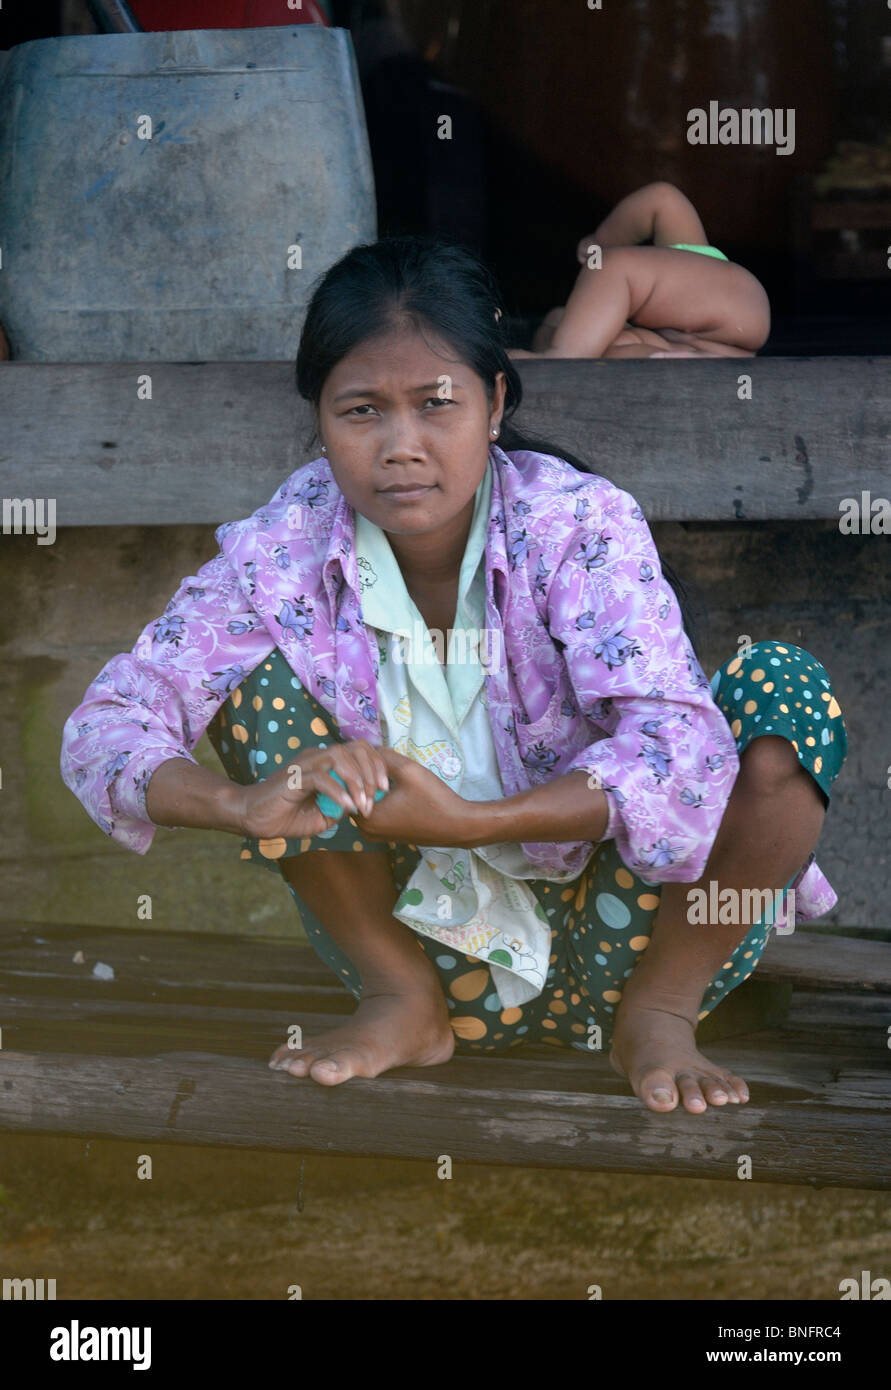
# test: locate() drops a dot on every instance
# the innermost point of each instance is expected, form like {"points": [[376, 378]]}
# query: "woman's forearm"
{"points": [[564, 809], [184, 794]]}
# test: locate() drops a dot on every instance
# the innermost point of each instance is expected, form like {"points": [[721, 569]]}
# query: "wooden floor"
{"points": [[174, 1048]]}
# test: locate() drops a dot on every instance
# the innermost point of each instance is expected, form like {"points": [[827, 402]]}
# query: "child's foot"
{"points": [[656, 1051], [387, 1030]]}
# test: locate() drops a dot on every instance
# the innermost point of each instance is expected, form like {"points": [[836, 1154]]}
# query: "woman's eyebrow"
{"points": [[372, 391]]}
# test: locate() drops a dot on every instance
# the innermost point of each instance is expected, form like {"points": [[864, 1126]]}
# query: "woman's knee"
{"points": [[775, 693]]}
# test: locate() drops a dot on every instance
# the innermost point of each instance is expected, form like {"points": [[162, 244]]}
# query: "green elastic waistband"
{"points": [[703, 250]]}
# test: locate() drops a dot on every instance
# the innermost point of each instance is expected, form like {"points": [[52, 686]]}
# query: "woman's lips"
{"points": [[410, 496]]}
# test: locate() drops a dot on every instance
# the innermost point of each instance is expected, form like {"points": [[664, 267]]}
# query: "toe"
{"points": [[736, 1087], [692, 1098], [657, 1090], [715, 1090], [334, 1067]]}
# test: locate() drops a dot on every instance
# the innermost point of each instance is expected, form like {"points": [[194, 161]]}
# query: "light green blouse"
{"points": [[472, 901]]}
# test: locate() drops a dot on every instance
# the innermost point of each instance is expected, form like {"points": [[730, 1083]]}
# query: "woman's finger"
{"points": [[348, 768], [374, 769]]}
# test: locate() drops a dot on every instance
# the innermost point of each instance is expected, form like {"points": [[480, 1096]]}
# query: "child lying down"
{"points": [[678, 297]]}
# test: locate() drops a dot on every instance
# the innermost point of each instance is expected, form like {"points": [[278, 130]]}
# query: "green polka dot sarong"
{"points": [[601, 921]]}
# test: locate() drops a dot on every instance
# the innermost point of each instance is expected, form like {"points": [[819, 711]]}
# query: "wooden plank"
{"points": [[819, 960], [174, 962], [196, 1099], [804, 1060], [674, 434]]}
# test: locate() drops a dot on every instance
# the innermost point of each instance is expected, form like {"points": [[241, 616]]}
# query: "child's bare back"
{"points": [[643, 301]]}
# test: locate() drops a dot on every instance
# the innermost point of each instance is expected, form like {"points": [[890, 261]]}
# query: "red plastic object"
{"points": [[163, 15]]}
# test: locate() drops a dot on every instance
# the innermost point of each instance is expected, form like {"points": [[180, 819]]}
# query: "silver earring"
{"points": [[494, 434], [324, 450]]}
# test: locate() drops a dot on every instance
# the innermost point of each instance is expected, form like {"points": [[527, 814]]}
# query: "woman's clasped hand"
{"points": [[417, 808]]}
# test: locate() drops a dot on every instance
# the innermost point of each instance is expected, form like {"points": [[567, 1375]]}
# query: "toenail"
{"points": [[662, 1094]]}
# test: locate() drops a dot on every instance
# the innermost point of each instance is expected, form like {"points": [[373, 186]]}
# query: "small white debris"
{"points": [[102, 971], [78, 958]]}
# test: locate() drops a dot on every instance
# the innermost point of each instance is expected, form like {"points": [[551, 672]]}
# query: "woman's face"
{"points": [[398, 411]]}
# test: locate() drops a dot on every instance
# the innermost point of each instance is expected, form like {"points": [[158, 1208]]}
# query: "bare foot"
{"points": [[656, 1051], [387, 1030]]}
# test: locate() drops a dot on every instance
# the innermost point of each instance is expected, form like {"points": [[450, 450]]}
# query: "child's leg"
{"points": [[598, 308], [658, 211], [660, 289], [788, 760]]}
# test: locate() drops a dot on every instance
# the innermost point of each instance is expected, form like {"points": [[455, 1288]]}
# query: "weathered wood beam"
{"points": [[195, 1099], [177, 962], [216, 439]]}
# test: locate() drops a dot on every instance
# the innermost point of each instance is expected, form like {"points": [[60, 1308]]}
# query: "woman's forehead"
{"points": [[400, 362]]}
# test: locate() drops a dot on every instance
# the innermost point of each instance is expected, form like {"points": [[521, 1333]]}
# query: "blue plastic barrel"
{"points": [[200, 243]]}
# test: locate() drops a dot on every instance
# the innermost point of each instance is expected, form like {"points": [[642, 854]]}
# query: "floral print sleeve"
{"points": [[666, 759], [154, 702]]}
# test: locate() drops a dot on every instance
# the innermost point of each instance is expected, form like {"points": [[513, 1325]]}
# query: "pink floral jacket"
{"points": [[592, 666]]}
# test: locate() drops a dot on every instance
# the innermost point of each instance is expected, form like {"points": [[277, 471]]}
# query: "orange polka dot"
{"points": [[612, 996], [818, 764], [557, 1006], [623, 878], [469, 986], [235, 697], [239, 733], [833, 709], [648, 901], [257, 702], [768, 686], [735, 728], [750, 706], [278, 702], [511, 1015], [783, 650], [577, 1027], [639, 943], [293, 742], [272, 849], [319, 726], [468, 1028], [734, 666], [758, 675], [548, 1023], [605, 946]]}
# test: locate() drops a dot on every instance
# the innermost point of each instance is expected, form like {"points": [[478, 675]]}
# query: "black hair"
{"points": [[439, 285]]}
